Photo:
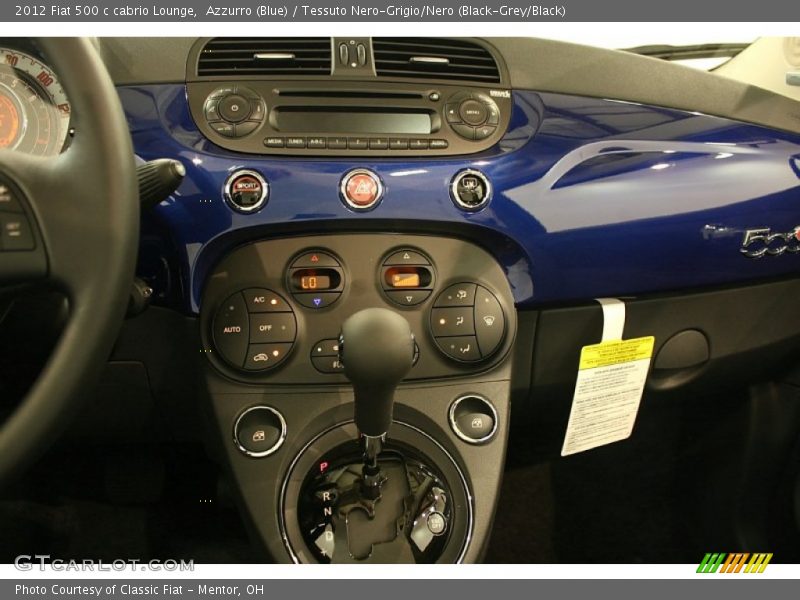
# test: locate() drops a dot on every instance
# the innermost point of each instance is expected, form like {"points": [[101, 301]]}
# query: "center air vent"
{"points": [[265, 56], [434, 58]]}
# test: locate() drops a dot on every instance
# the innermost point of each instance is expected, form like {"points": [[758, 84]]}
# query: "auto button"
{"points": [[231, 330]]}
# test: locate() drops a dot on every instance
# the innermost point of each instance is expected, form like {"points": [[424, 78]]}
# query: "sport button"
{"points": [[361, 189]]}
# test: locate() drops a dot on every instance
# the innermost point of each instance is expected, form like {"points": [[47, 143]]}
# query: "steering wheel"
{"points": [[82, 208]]}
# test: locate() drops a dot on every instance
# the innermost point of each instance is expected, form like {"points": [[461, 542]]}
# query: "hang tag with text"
{"points": [[608, 390]]}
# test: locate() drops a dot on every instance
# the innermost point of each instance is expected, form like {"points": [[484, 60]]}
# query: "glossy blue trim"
{"points": [[592, 197]]}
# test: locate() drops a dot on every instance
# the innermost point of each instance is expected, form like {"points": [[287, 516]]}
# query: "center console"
{"points": [[360, 384]]}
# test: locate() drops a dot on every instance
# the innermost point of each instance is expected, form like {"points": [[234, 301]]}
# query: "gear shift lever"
{"points": [[376, 347]]}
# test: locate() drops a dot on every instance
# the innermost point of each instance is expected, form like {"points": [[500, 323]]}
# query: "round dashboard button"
{"points": [[246, 191], [473, 112], [361, 189], [234, 108]]}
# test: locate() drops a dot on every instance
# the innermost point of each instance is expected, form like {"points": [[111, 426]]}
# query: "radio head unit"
{"points": [[349, 118]]}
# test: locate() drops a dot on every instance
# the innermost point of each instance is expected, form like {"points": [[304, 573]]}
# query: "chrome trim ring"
{"points": [[454, 425], [288, 474], [454, 193], [346, 199], [268, 451], [226, 191]]}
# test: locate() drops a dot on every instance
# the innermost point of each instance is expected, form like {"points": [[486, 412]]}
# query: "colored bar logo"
{"points": [[736, 562]]}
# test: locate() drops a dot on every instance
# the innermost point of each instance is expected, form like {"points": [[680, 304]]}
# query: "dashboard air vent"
{"points": [[434, 58], [265, 56]]}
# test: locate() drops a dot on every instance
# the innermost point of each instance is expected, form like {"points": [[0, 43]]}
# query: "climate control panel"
{"points": [[273, 310]]}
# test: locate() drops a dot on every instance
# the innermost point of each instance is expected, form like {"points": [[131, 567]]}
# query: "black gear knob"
{"points": [[376, 347]]}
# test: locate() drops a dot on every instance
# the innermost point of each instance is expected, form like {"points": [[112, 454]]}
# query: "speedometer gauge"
{"points": [[34, 110]]}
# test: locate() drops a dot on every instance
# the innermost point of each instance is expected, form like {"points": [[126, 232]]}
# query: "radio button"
{"points": [[494, 114], [398, 144], [234, 108], [246, 128], [418, 144], [481, 133], [295, 142], [357, 143], [274, 142], [317, 143], [223, 128], [439, 144], [465, 131], [451, 112], [378, 144], [257, 109], [211, 110], [337, 143], [472, 112]]}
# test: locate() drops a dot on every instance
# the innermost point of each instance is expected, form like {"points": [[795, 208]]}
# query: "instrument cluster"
{"points": [[34, 110]]}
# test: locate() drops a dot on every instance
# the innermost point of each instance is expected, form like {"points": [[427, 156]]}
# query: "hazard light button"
{"points": [[361, 189]]}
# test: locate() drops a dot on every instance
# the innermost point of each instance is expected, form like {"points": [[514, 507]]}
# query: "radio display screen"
{"points": [[351, 121]]}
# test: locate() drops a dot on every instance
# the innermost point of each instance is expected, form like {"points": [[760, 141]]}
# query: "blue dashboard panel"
{"points": [[592, 197]]}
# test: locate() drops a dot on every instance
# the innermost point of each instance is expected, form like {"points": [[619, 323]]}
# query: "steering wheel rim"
{"points": [[83, 207]]}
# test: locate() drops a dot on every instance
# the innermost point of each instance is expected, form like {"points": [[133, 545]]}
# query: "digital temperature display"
{"points": [[318, 279], [315, 282]]}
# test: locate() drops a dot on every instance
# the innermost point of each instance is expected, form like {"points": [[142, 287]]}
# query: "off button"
{"points": [[361, 189]]}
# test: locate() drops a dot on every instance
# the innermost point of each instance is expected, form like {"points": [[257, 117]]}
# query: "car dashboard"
{"points": [[492, 192]]}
